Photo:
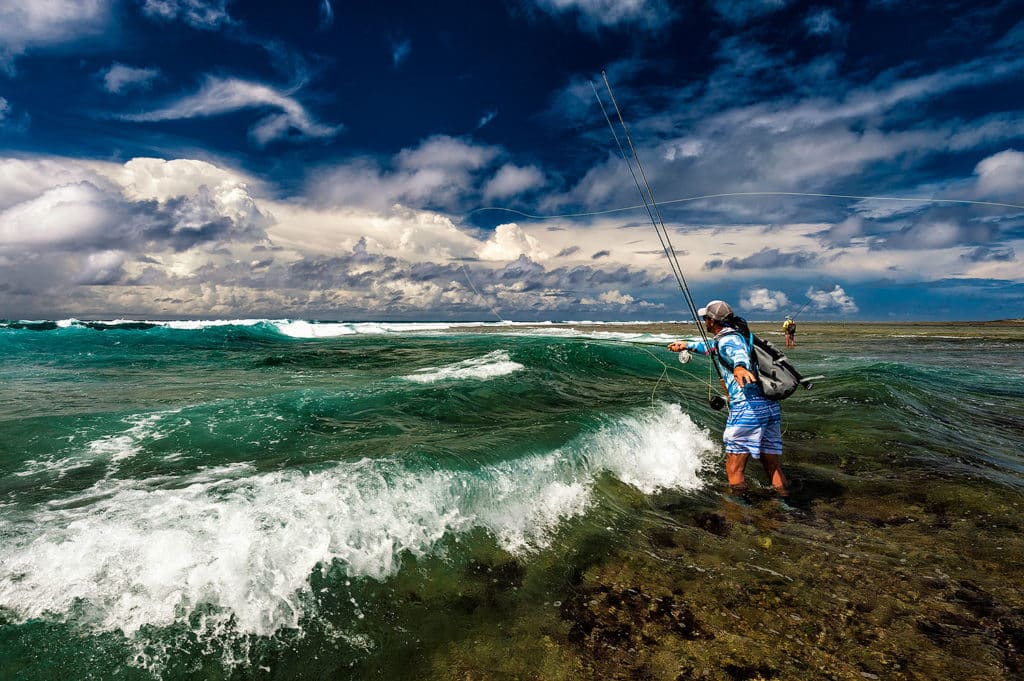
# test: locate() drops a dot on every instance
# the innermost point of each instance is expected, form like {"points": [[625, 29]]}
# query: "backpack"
{"points": [[777, 377]]}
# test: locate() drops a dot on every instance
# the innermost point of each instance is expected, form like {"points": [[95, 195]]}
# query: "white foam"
{"points": [[135, 553], [304, 329], [126, 444], [491, 365]]}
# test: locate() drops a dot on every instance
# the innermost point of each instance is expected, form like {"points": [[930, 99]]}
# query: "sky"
{"points": [[323, 159]]}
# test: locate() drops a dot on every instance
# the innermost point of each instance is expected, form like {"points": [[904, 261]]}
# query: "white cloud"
{"points": [[763, 299], [223, 95], [38, 23], [1001, 174], [511, 180], [155, 178], [594, 14], [22, 179], [415, 236], [203, 14], [144, 204], [103, 267], [60, 216], [836, 299], [439, 171], [614, 297], [447, 153], [509, 242], [119, 77]]}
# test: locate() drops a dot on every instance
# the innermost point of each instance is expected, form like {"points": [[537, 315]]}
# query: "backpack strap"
{"points": [[724, 361]]}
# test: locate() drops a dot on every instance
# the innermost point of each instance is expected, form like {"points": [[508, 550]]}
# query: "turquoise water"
{"points": [[293, 500]]}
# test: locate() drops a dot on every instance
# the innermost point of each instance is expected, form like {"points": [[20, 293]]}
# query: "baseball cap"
{"points": [[718, 310]]}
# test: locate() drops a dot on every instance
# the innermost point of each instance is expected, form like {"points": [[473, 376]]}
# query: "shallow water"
{"points": [[296, 500]]}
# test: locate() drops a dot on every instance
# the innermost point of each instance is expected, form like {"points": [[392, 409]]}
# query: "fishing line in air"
{"points": [[479, 295], [651, 205]]}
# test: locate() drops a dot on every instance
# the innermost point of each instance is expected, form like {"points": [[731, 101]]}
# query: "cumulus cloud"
{"points": [[101, 268], [837, 299], [616, 298], [764, 300], [1001, 174], [511, 180], [596, 14], [41, 23], [187, 237], [95, 207], [118, 77], [202, 14], [509, 242], [223, 95], [73, 215]]}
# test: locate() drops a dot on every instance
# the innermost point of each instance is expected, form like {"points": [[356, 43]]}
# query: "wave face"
{"points": [[178, 482], [236, 490]]}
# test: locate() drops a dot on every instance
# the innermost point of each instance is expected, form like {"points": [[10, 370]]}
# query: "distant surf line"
{"points": [[688, 199]]}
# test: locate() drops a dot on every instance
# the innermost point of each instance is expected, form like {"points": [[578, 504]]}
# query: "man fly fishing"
{"points": [[754, 426], [789, 328]]}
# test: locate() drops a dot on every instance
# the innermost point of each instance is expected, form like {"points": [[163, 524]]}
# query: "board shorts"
{"points": [[754, 427]]}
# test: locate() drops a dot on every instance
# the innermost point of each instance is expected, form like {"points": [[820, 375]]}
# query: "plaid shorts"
{"points": [[754, 427]]}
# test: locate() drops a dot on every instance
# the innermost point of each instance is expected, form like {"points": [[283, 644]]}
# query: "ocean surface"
{"points": [[255, 499]]}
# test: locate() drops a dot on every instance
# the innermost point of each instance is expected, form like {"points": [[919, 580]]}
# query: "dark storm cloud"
{"points": [[766, 259]]}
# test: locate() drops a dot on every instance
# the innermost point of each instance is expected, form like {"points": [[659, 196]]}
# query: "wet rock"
{"points": [[611, 619], [663, 537], [746, 673], [714, 523]]}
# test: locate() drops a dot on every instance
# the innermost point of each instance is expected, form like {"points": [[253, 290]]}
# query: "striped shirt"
{"points": [[734, 349]]}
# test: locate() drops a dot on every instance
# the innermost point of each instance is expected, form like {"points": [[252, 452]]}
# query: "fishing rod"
{"points": [[651, 206], [809, 301]]}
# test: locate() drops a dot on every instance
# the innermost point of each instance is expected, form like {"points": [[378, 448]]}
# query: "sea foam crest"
{"points": [[491, 365], [135, 553]]}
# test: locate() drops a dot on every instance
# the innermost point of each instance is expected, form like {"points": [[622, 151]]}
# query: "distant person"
{"points": [[789, 328], [754, 426]]}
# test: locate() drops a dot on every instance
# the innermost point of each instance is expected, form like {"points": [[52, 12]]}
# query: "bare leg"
{"points": [[773, 470], [734, 467]]}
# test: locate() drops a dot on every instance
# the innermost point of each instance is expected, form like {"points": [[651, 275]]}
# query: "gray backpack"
{"points": [[778, 378]]}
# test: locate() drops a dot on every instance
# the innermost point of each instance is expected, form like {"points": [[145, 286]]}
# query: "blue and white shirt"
{"points": [[734, 349]]}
